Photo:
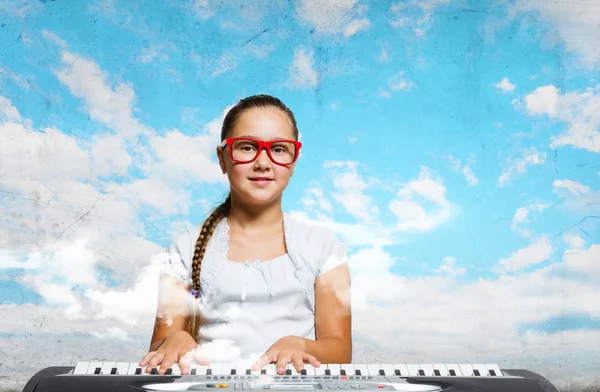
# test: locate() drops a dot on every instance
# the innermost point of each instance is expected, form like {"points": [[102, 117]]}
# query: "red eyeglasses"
{"points": [[246, 150]]}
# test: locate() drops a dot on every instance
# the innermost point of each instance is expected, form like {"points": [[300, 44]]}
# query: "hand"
{"points": [[285, 350], [173, 349]]}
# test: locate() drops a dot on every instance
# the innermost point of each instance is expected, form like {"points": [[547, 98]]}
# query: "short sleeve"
{"points": [[335, 252], [177, 259]]}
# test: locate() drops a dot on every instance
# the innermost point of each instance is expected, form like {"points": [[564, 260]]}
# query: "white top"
{"points": [[246, 307]]}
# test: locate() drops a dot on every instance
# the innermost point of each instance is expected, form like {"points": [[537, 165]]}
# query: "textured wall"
{"points": [[453, 145]]}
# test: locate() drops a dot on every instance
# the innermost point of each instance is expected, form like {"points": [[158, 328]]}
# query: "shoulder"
{"points": [[316, 242]]}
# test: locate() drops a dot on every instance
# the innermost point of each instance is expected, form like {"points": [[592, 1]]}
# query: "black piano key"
{"points": [[169, 371], [248, 372], [476, 372], [437, 372], [288, 372], [154, 371], [381, 372], [357, 372], [421, 372], [98, 370], [208, 372], [233, 371], [397, 372], [328, 372], [113, 371], [263, 371], [193, 372], [303, 372], [492, 372], [452, 372], [138, 371], [342, 372]]}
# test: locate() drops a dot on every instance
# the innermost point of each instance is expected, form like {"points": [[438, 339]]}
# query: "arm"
{"points": [[172, 312], [333, 318]]}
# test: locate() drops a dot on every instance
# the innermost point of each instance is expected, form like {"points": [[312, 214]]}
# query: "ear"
{"points": [[221, 157]]}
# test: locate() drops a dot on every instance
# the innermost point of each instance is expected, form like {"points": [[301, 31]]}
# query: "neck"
{"points": [[254, 218]]}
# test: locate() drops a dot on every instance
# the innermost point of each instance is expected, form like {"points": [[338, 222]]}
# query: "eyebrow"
{"points": [[254, 137]]}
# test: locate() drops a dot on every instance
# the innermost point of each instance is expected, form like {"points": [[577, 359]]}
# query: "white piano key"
{"points": [[216, 369], [271, 369], [454, 367], [364, 370], [373, 369], [387, 368], [226, 368], [334, 369], [403, 369], [427, 368], [413, 369], [310, 369], [466, 369], [292, 369], [175, 369], [320, 370], [133, 366], [81, 368], [495, 368], [480, 368], [200, 369], [441, 368], [93, 367], [349, 368], [107, 367], [122, 367]]}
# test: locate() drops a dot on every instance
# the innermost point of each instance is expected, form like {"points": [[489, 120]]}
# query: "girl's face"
{"points": [[263, 124]]}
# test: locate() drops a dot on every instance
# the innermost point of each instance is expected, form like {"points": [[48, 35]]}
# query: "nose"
{"points": [[263, 157]]}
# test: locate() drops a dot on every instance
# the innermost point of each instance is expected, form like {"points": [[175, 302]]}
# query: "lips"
{"points": [[260, 179]]}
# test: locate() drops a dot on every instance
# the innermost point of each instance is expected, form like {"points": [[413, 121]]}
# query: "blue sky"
{"points": [[449, 143]]}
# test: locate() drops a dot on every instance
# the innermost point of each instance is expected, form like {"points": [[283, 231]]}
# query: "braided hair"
{"points": [[222, 211]]}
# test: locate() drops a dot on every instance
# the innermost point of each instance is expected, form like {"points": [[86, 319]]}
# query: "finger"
{"points": [[297, 361], [154, 361], [184, 365], [264, 360], [146, 358], [282, 361], [167, 362], [311, 359], [200, 359]]}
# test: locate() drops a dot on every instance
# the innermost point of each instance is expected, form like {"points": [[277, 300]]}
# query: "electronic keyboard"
{"points": [[231, 377]]}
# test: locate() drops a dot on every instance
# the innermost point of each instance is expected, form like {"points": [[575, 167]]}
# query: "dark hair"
{"points": [[255, 101]]}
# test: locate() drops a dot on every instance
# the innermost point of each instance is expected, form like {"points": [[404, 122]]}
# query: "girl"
{"points": [[255, 277]]}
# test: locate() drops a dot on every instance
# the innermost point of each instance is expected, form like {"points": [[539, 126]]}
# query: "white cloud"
{"points": [[333, 16], [415, 14], [302, 73], [421, 203], [397, 83], [505, 85], [110, 156], [449, 268], [519, 166], [577, 197], [520, 217], [580, 110], [465, 169], [8, 113], [577, 25], [535, 253]]}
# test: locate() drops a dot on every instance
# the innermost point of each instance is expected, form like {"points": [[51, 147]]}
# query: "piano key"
{"points": [[94, 366], [176, 369], [388, 369], [454, 370], [271, 369], [439, 369], [493, 370], [81, 368], [243, 369], [479, 370], [348, 368], [466, 369], [361, 369], [373, 369], [310, 369], [199, 370], [122, 367], [291, 369], [107, 367], [334, 369], [132, 367], [427, 369], [413, 369], [320, 370], [402, 368], [227, 369], [215, 369]]}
